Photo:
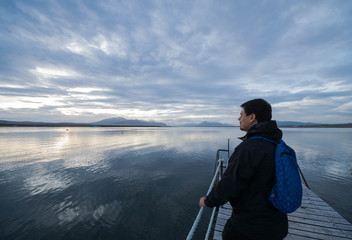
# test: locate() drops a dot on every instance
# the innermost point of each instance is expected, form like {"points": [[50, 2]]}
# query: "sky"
{"points": [[173, 61]]}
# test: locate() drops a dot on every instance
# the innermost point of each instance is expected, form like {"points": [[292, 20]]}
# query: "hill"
{"points": [[292, 123], [110, 122], [206, 124], [41, 124], [122, 122], [119, 121]]}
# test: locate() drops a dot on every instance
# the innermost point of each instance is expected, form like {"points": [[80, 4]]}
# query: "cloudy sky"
{"points": [[175, 61]]}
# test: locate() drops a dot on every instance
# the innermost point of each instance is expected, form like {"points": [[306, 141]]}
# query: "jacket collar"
{"points": [[267, 129]]}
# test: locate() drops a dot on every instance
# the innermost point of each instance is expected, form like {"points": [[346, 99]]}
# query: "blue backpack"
{"points": [[286, 195]]}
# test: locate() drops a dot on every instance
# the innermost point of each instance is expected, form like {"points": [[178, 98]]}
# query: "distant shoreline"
{"points": [[345, 125], [122, 122], [348, 125], [72, 125]]}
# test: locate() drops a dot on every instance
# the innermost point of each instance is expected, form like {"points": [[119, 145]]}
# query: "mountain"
{"points": [[119, 121], [106, 122], [312, 125], [207, 124], [41, 124], [292, 123], [213, 124]]}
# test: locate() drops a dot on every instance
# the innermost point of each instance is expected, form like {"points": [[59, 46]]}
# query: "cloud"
{"points": [[174, 61], [53, 72], [344, 108]]}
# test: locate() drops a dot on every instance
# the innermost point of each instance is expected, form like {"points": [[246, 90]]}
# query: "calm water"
{"points": [[137, 183]]}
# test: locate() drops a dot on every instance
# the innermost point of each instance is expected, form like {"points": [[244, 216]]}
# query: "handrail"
{"points": [[210, 224], [217, 176], [195, 224], [304, 179]]}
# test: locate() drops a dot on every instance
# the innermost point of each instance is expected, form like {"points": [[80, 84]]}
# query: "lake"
{"points": [[138, 183]]}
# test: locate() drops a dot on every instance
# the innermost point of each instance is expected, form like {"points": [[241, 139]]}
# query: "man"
{"points": [[248, 179]]}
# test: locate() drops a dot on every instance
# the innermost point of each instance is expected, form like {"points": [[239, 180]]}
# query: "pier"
{"points": [[315, 219]]}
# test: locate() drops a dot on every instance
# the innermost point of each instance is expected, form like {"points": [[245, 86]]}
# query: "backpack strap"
{"points": [[299, 169], [267, 190], [264, 139]]}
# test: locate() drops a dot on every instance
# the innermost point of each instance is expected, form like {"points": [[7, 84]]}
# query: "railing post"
{"points": [[221, 169], [228, 149]]}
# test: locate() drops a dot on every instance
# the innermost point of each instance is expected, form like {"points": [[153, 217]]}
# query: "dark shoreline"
{"points": [[72, 125], [349, 125], [345, 125]]}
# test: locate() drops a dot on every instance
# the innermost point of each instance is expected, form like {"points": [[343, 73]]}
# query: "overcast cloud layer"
{"points": [[175, 61]]}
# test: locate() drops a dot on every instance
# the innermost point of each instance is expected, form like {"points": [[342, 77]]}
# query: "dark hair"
{"points": [[260, 107]]}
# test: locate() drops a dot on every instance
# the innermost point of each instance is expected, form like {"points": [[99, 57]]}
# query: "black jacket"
{"points": [[247, 183]]}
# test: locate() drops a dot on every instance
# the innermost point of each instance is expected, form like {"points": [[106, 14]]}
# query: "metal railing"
{"points": [[219, 166]]}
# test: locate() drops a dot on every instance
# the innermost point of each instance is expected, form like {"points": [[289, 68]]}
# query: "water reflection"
{"points": [[95, 183], [328, 150], [41, 183], [31, 145], [325, 158]]}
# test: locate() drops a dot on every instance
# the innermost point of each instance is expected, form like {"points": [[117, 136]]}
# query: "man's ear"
{"points": [[253, 117]]}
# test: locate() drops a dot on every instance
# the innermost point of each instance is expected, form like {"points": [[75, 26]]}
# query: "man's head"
{"points": [[253, 112]]}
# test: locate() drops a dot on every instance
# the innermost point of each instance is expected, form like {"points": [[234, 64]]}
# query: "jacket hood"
{"points": [[267, 129]]}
